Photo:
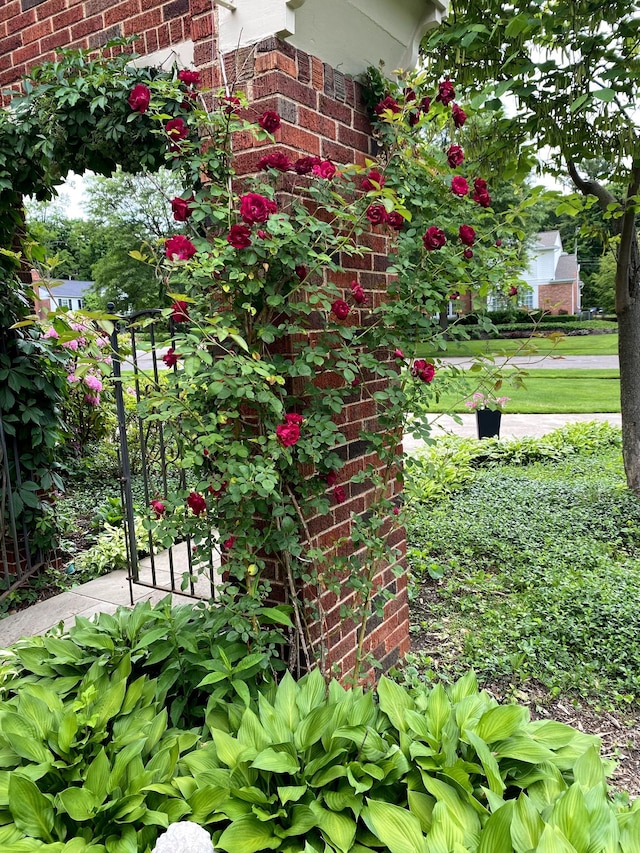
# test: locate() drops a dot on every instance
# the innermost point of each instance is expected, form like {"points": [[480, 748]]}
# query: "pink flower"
{"points": [[324, 169], [179, 248], [434, 239], [181, 208], [458, 114], [72, 344], [459, 186], [455, 156], [158, 507], [189, 78], [340, 309], [387, 103], [446, 92], [72, 378], [278, 160], [395, 220], [196, 503], [51, 333], [376, 214], [339, 494], [467, 235], [256, 208], [93, 382], [269, 121], [397, 353], [139, 98], [373, 181], [304, 165], [288, 434], [358, 293], [171, 357], [180, 311], [423, 370], [239, 237], [92, 400]]}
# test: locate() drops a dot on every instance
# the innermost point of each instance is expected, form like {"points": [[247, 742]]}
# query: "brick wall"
{"points": [[322, 114], [31, 30], [558, 297]]}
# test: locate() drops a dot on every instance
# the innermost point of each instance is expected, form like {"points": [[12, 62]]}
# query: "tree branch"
{"points": [[591, 187]]}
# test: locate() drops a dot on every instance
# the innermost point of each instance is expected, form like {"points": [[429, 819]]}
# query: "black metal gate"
{"points": [[149, 463]]}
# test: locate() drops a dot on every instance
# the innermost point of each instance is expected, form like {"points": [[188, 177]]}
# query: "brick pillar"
{"points": [[323, 114]]}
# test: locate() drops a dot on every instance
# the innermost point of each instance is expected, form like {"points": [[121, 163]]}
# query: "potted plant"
{"points": [[488, 411]]}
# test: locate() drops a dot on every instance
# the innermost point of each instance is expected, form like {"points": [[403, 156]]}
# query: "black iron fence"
{"points": [[150, 459]]}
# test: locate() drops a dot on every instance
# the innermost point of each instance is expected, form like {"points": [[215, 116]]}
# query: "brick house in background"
{"points": [[553, 276], [300, 58]]}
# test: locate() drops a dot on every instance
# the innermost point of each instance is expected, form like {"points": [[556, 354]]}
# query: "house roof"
{"points": [[67, 288], [567, 268], [548, 239]]}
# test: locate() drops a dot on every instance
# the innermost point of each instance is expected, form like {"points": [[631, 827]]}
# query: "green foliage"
{"points": [[535, 585]]}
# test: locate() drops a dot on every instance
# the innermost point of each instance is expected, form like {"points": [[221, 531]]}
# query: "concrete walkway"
{"points": [[105, 594]]}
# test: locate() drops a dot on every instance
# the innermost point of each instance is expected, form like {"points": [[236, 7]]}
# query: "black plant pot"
{"points": [[488, 421]]}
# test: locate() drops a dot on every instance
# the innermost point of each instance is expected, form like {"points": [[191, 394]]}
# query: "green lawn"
{"points": [[574, 345], [545, 392]]}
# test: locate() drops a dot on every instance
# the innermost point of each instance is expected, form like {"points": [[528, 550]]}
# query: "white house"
{"points": [[64, 293], [553, 276]]}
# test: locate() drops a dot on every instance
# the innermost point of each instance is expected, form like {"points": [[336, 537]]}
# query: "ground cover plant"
{"points": [[125, 724], [527, 564]]}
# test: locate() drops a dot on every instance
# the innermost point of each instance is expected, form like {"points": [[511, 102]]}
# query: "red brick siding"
{"points": [[558, 297]]}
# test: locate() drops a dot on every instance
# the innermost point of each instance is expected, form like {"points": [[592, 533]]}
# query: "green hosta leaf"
{"points": [[79, 803], [32, 812], [553, 841], [588, 770], [67, 731], [526, 825], [438, 711], [630, 832], [501, 722], [488, 761], [464, 687], [318, 723], [523, 749], [338, 801], [37, 711], [277, 762], [291, 793], [496, 833], [109, 703], [421, 805], [396, 827], [230, 751], [338, 829], [571, 817], [97, 776], [31, 749], [312, 692], [251, 732], [551, 734], [247, 834], [285, 702], [394, 701], [126, 843]]}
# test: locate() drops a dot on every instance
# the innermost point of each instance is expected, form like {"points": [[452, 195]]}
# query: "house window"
{"points": [[63, 302], [526, 299], [80, 304]]}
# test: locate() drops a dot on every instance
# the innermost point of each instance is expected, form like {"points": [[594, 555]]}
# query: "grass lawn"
{"points": [[546, 392], [574, 345]]}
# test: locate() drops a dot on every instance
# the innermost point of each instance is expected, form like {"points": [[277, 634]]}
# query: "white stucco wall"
{"points": [[347, 34]]}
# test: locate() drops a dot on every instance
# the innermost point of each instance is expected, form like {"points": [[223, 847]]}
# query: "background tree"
{"points": [[573, 67]]}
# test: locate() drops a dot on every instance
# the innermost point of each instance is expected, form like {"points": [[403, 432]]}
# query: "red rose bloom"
{"points": [[387, 103], [396, 511], [189, 78], [180, 312], [459, 186], [269, 121], [228, 543], [340, 309], [262, 234], [409, 95], [301, 272], [171, 357], [455, 156], [481, 195], [231, 104], [278, 160], [499, 242], [513, 291], [179, 248], [339, 494], [446, 92], [376, 214], [288, 434], [414, 117], [293, 418], [331, 478], [181, 208], [324, 169], [467, 235], [425, 104], [256, 208], [434, 239], [398, 353], [395, 220], [196, 503], [358, 293], [158, 507], [176, 130], [373, 181], [139, 98], [304, 165], [239, 237], [468, 253], [423, 370], [458, 114]]}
